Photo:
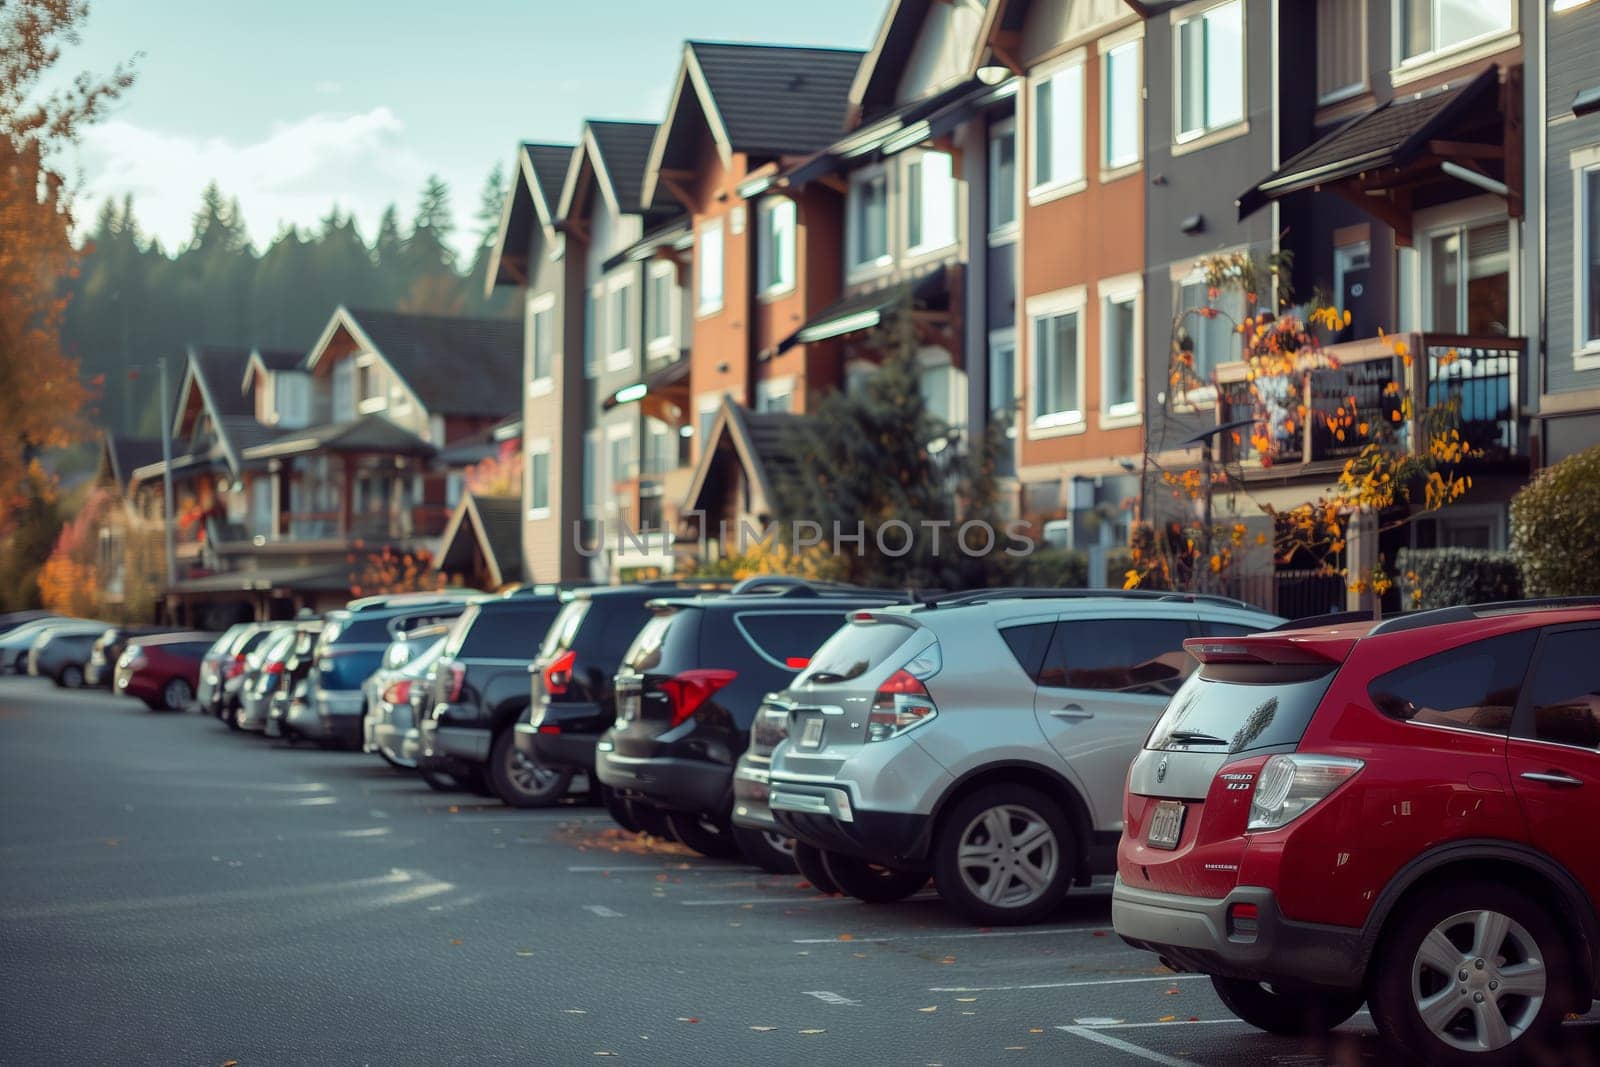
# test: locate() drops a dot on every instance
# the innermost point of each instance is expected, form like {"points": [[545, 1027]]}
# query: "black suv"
{"points": [[688, 689], [480, 688]]}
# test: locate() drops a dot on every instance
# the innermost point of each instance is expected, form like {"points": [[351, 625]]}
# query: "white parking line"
{"points": [[1128, 1047], [1066, 985], [838, 1000], [626, 869], [375, 831], [946, 937], [226, 896], [602, 911], [317, 802]]}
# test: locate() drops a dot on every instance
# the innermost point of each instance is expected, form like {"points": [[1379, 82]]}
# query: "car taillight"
{"points": [[690, 689], [398, 692], [458, 679], [797, 663], [274, 666], [558, 675], [1244, 922], [135, 662], [901, 702], [236, 668], [1291, 785]]}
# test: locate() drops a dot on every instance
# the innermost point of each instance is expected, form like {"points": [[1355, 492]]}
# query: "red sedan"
{"points": [[163, 670]]}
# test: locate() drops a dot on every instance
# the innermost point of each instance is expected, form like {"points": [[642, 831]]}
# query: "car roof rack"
{"points": [[980, 596], [1331, 618], [788, 585], [1467, 612]]}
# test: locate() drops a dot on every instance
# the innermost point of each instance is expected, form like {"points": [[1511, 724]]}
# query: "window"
{"points": [[1057, 367], [1565, 689], [788, 640], [1118, 656], [592, 476], [1028, 644], [620, 456], [1057, 146], [660, 452], [709, 264], [853, 650], [1426, 26], [943, 387], [930, 203], [1588, 247], [1473, 687], [661, 296], [1124, 100], [619, 331], [1002, 178], [592, 332], [508, 634], [1215, 340], [869, 219], [776, 237], [1210, 75], [344, 395], [541, 343], [708, 418], [539, 479], [1003, 379], [1341, 49], [775, 395], [1119, 349], [1467, 288]]}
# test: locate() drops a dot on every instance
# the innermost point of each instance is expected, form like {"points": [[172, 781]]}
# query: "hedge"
{"points": [[1555, 528], [1442, 577]]}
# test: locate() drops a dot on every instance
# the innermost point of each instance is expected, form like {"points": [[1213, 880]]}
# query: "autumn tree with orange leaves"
{"points": [[41, 397], [1386, 474]]}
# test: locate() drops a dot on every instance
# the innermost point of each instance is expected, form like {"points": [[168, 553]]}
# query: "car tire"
{"points": [[619, 809], [177, 694], [70, 677], [519, 780], [767, 849], [1461, 926], [808, 860], [439, 781], [984, 876], [871, 882], [1292, 1011], [706, 834]]}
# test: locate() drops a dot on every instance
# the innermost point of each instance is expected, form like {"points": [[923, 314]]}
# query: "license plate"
{"points": [[1166, 824], [811, 734], [627, 707]]}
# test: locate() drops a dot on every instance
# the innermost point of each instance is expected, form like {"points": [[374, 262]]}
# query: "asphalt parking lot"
{"points": [[172, 893]]}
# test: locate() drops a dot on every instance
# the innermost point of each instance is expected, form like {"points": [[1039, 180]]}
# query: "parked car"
{"points": [[982, 738], [350, 648], [61, 651], [479, 690], [263, 672], [13, 619], [101, 669], [225, 693], [689, 688], [213, 665], [15, 643], [163, 670], [1398, 813], [573, 697], [296, 669], [396, 693]]}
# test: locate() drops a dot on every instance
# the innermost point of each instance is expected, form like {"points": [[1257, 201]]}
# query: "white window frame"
{"points": [[1132, 38], [937, 357], [856, 266], [767, 213], [705, 405], [539, 447], [767, 388], [619, 357], [594, 321], [1463, 216], [667, 342], [1127, 288], [618, 432], [1426, 62], [1074, 63], [367, 370], [1073, 301], [1006, 231], [929, 246], [1356, 88], [710, 304], [542, 305], [1208, 134], [1006, 337], [1586, 350]]}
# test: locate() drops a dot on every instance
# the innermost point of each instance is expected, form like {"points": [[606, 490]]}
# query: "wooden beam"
{"points": [[1466, 150], [675, 181], [1007, 46], [836, 183], [577, 227], [1513, 136], [516, 267], [1390, 207]]}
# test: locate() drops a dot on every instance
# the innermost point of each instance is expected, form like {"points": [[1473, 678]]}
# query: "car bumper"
{"points": [[576, 751], [452, 749], [253, 713], [666, 782], [339, 715], [825, 816], [1194, 934], [752, 790]]}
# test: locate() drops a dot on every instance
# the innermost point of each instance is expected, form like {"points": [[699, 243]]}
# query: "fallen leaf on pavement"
{"points": [[763, 1029], [847, 937], [926, 1011], [966, 1000], [688, 1019], [453, 810], [1174, 991], [1167, 1018], [605, 1053], [1015, 1048], [524, 951], [575, 1011], [230, 1063], [455, 941], [1035, 1029], [948, 959], [813, 1031], [859, 955]]}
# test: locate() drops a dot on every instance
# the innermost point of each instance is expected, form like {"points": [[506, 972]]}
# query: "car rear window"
{"points": [[1471, 687], [788, 639], [252, 639], [668, 642], [502, 632], [853, 650], [1118, 655], [1240, 707], [559, 637]]}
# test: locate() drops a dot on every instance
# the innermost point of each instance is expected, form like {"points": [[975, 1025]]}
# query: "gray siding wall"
{"points": [[548, 545], [1574, 42]]}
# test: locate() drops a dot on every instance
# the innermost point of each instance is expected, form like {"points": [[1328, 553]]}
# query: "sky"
{"points": [[293, 106]]}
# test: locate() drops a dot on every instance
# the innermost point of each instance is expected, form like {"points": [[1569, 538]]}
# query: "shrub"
{"points": [[1053, 568], [1555, 528], [1441, 577]]}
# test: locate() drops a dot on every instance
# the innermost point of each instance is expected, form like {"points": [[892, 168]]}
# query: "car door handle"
{"points": [[1552, 778], [1072, 711]]}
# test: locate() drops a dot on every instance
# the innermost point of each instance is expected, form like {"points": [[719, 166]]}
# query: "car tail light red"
{"points": [[1244, 922], [901, 702], [274, 666], [458, 680], [398, 692], [549, 728], [797, 663], [236, 668], [558, 674], [689, 690]]}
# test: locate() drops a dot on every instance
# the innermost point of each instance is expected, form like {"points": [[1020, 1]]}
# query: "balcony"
{"points": [[1482, 378]]}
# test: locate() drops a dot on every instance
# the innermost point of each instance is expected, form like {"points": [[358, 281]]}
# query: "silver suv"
{"points": [[983, 738]]}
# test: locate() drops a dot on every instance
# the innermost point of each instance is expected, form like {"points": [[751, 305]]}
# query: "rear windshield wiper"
{"points": [[1191, 737], [826, 677]]}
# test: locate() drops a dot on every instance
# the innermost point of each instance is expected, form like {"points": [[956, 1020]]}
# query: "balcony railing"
{"points": [[1318, 418]]}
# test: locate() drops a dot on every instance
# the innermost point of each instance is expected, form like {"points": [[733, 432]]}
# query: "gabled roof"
{"points": [[763, 445], [872, 91], [369, 433], [455, 366], [209, 378], [535, 193], [615, 153], [491, 524], [1004, 21], [764, 100], [124, 455], [269, 361]]}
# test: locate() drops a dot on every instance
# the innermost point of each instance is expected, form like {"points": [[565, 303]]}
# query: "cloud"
{"points": [[360, 161]]}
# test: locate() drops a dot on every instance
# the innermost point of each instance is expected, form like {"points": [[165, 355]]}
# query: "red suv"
{"points": [[1400, 813]]}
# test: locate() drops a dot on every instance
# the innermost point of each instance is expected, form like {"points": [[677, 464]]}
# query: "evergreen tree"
{"points": [[490, 204]]}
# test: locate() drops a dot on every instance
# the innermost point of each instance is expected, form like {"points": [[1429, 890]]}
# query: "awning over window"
{"points": [[863, 311], [662, 394], [1454, 133]]}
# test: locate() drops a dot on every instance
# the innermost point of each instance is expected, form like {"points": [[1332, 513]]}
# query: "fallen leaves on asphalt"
{"points": [[928, 1011], [524, 951], [763, 1029], [688, 1019]]}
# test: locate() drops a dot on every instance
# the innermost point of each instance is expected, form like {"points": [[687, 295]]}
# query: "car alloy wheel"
{"points": [[1478, 981], [1008, 856], [530, 777], [768, 849], [176, 694], [72, 676], [518, 780]]}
